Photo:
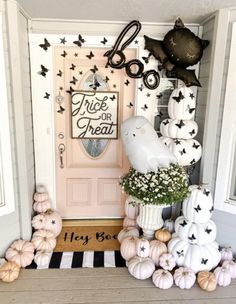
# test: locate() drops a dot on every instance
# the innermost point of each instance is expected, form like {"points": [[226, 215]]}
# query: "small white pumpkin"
{"points": [[128, 231], [53, 222], [231, 265], [41, 206], [162, 279], [178, 128], [226, 254], [131, 208], [184, 277], [157, 248], [169, 224], [142, 248], [198, 206], [186, 151], [141, 268], [21, 252], [42, 258], [167, 261], [127, 222], [38, 221], [128, 247], [223, 276], [182, 104], [44, 240], [41, 195], [198, 258], [195, 233]]}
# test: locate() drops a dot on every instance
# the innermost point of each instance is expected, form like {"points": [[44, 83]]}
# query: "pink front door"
{"points": [[88, 168]]}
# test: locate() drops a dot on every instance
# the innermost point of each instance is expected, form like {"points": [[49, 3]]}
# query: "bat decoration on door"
{"points": [[179, 49], [45, 45], [47, 95], [43, 71], [64, 54], [61, 110], [90, 55], [80, 41], [104, 41]]}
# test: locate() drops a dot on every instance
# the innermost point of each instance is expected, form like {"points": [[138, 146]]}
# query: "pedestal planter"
{"points": [[150, 219]]}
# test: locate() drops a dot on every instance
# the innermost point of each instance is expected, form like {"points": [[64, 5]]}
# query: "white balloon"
{"points": [[146, 152]]}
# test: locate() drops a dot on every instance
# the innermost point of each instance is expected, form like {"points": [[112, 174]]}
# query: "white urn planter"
{"points": [[150, 219]]}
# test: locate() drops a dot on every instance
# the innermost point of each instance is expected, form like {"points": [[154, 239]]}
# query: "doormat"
{"points": [[88, 238], [83, 259]]}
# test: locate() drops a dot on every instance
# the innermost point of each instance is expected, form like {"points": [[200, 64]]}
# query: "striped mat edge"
{"points": [[82, 259]]}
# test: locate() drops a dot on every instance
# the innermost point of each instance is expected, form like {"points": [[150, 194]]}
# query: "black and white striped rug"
{"points": [[66, 260]]}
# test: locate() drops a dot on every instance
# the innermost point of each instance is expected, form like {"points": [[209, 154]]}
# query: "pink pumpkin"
{"points": [[41, 194], [157, 248], [128, 231], [38, 221], [41, 206], [162, 279], [184, 277], [167, 261], [128, 222], [128, 247], [53, 222], [44, 240], [226, 254], [21, 252], [231, 265], [131, 208], [223, 276]]}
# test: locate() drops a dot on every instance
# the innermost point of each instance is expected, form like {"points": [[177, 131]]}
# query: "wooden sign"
{"points": [[95, 115], [83, 238]]}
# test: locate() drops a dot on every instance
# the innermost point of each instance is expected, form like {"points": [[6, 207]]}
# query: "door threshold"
{"points": [[92, 222]]}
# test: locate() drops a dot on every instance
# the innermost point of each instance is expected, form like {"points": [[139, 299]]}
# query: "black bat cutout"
{"points": [[43, 71], [191, 110], [207, 230], [104, 41], [179, 98], [90, 55], [193, 161], [146, 59], [192, 238], [198, 208], [130, 105], [73, 66], [145, 107], [113, 97], [148, 95], [70, 91], [64, 54], [74, 80], [106, 79], [61, 110], [206, 192], [159, 95], [192, 132], [182, 152], [204, 261], [180, 124], [47, 95], [94, 70], [95, 85], [127, 82], [195, 145], [160, 114], [59, 73], [141, 87], [183, 224], [165, 122], [180, 253], [45, 45]]}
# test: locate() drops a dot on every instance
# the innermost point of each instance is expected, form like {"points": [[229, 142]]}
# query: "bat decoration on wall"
{"points": [[80, 41], [104, 41], [179, 49], [45, 45], [130, 105], [43, 71], [47, 95]]}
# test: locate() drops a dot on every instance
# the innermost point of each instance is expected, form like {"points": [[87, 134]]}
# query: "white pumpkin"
{"points": [[177, 128], [21, 252], [44, 240], [182, 104], [126, 232], [184, 277], [223, 276], [157, 248], [127, 222], [38, 221], [42, 258], [128, 247], [196, 257], [142, 248], [195, 233], [167, 261], [231, 265], [41, 194], [187, 151], [169, 224], [41, 206], [53, 222], [198, 206], [131, 208], [162, 279], [226, 254], [141, 268]]}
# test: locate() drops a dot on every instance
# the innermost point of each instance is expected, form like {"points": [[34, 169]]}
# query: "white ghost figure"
{"points": [[145, 150]]}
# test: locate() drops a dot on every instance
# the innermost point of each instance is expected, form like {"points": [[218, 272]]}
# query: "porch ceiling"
{"points": [[125, 10]]}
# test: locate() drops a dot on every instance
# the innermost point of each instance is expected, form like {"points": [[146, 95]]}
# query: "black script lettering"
{"points": [[85, 239], [80, 101], [101, 236]]}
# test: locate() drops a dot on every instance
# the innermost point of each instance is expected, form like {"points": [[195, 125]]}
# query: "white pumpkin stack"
{"points": [[193, 245], [131, 212], [179, 130], [48, 225]]}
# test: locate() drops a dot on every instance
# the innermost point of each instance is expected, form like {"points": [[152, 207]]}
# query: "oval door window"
{"points": [[94, 147]]}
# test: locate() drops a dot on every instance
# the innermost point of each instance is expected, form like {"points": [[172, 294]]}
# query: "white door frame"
{"points": [[43, 109]]}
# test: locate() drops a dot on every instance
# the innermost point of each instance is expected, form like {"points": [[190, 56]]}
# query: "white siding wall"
{"points": [[11, 226]]}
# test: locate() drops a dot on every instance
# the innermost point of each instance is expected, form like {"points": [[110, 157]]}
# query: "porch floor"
{"points": [[101, 285]]}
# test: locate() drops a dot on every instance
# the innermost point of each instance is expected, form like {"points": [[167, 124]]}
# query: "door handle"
{"points": [[61, 149]]}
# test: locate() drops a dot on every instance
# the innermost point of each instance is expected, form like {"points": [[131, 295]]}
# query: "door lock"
{"points": [[61, 149]]}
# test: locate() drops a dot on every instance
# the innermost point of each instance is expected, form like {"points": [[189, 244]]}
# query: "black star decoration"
{"points": [[64, 54], [70, 91], [192, 237], [47, 95], [192, 132], [76, 54], [180, 253], [136, 42], [206, 192], [45, 45], [114, 86], [59, 73], [198, 208], [61, 88], [179, 98], [204, 261], [177, 142], [74, 80], [61, 110], [127, 82], [165, 122], [112, 71], [80, 72], [143, 248], [43, 71], [63, 40], [195, 145], [180, 124], [183, 224], [208, 230], [191, 95], [53, 222]]}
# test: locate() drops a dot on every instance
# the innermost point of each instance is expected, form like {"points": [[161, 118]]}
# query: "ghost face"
{"points": [[133, 129]]}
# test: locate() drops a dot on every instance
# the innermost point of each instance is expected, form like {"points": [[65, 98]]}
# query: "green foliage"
{"points": [[167, 186]]}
